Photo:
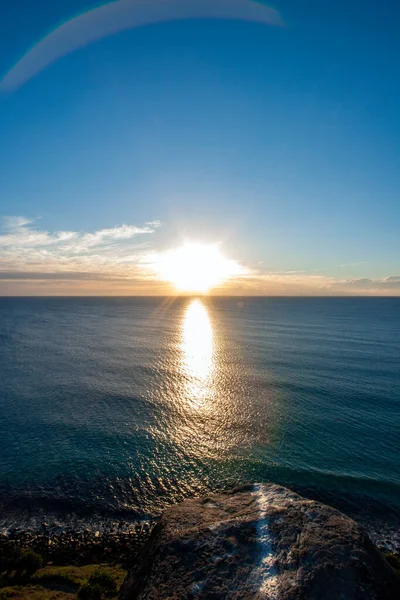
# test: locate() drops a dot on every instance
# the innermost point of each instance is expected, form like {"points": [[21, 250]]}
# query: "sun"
{"points": [[196, 268]]}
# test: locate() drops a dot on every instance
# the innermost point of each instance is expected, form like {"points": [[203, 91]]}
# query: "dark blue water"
{"points": [[115, 408]]}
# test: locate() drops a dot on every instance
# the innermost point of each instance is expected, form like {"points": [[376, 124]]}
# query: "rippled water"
{"points": [[119, 407]]}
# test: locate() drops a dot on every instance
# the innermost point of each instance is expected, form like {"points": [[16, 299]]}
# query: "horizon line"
{"points": [[336, 296]]}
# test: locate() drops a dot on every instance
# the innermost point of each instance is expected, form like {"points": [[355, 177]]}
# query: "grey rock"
{"points": [[259, 542]]}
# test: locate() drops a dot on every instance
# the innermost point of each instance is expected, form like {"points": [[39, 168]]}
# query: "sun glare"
{"points": [[196, 267], [197, 342]]}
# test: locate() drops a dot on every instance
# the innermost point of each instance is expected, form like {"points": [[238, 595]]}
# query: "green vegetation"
{"points": [[23, 580], [105, 581], [394, 562], [24, 562], [77, 576], [100, 584], [27, 562], [31, 592], [90, 591]]}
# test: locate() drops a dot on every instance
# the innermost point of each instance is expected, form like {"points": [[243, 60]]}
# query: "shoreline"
{"points": [[89, 536], [57, 532], [80, 547], [69, 539]]}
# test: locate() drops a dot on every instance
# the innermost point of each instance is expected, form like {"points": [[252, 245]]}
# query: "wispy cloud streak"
{"points": [[24, 248], [303, 283]]}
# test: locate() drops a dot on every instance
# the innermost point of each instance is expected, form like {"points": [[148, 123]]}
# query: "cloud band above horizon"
{"points": [[120, 261]]}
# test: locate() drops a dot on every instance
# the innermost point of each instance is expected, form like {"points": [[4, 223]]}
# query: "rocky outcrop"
{"points": [[259, 542]]}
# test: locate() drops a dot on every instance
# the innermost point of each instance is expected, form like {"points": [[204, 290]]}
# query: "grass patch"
{"points": [[62, 583], [33, 592]]}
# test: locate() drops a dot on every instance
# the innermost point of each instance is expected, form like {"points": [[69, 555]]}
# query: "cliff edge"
{"points": [[259, 542]]}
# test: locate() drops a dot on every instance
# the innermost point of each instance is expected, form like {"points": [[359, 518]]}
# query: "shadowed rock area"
{"points": [[263, 542]]}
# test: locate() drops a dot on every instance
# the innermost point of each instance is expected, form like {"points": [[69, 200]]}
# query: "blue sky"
{"points": [[280, 142]]}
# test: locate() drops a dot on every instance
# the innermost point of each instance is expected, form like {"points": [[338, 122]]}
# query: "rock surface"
{"points": [[259, 542]]}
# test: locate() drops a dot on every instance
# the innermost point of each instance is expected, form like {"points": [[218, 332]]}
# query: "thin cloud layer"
{"points": [[120, 261], [387, 284], [25, 249], [302, 283], [126, 14]]}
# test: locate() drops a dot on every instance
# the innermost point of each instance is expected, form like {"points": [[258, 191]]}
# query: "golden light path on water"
{"points": [[197, 352], [211, 418]]}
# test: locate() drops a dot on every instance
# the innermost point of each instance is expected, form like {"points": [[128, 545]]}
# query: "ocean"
{"points": [[113, 408]]}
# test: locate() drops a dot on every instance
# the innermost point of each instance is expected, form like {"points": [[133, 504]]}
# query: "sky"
{"points": [[272, 131]]}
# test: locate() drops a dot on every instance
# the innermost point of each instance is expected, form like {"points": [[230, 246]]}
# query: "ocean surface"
{"points": [[112, 409]]}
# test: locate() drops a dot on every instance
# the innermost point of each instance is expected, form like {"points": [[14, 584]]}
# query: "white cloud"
{"points": [[116, 260], [11, 223], [87, 241], [26, 248], [366, 284], [302, 283]]}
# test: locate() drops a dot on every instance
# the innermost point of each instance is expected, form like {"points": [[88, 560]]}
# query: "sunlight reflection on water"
{"points": [[197, 352]]}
